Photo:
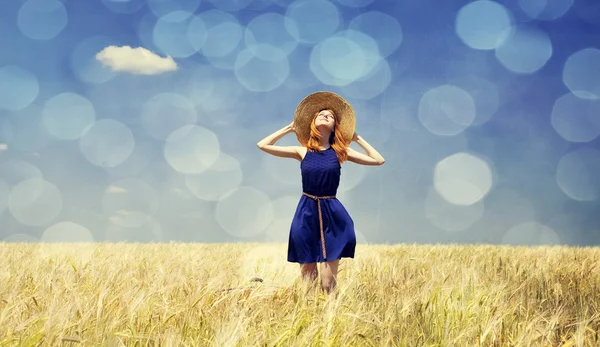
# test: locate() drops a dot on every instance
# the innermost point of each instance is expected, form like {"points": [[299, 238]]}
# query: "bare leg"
{"points": [[309, 273], [329, 275]]}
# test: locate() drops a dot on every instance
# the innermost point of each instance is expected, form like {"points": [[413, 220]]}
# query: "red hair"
{"points": [[336, 140]]}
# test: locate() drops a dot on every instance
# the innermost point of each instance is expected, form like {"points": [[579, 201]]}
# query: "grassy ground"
{"points": [[404, 295]]}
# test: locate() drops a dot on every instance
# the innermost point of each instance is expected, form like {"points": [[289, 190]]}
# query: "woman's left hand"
{"points": [[355, 137]]}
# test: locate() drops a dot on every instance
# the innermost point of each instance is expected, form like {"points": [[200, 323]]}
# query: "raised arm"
{"points": [[372, 157], [267, 144]]}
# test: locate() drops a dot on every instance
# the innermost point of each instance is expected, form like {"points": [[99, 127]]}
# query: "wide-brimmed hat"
{"points": [[346, 120]]}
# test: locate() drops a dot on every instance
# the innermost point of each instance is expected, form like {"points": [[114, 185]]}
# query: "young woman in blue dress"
{"points": [[321, 231]]}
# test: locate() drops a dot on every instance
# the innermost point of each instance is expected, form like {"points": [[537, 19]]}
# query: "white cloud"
{"points": [[135, 60]]}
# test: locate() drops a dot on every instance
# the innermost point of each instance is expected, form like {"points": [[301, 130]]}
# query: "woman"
{"points": [[322, 230]]}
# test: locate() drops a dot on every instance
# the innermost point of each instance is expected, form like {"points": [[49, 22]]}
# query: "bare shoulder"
{"points": [[301, 151], [352, 153]]}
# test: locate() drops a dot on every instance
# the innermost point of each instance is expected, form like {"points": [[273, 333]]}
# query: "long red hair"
{"points": [[336, 140]]}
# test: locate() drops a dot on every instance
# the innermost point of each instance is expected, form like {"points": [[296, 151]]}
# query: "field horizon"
{"points": [[202, 294]]}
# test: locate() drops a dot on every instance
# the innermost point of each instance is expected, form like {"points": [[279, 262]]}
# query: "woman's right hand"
{"points": [[290, 128]]}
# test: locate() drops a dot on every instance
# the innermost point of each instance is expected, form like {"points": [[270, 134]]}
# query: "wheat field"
{"points": [[178, 294]]}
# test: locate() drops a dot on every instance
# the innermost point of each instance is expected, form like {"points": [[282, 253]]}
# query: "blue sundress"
{"points": [[321, 173]]}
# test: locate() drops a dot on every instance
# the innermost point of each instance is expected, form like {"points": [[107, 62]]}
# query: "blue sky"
{"points": [[138, 120]]}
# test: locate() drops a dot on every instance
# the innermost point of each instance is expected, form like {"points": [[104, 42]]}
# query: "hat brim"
{"points": [[310, 105]]}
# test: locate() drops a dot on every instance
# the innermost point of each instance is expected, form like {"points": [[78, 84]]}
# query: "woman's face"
{"points": [[325, 119]]}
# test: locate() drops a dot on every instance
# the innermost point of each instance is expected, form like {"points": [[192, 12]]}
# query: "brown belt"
{"points": [[318, 199]]}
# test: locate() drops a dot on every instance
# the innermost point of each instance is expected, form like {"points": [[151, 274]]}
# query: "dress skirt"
{"points": [[305, 243]]}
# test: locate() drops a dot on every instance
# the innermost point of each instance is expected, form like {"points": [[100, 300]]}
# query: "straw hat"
{"points": [[318, 101]]}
